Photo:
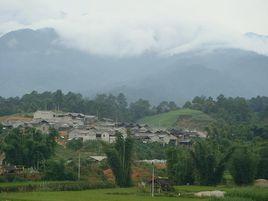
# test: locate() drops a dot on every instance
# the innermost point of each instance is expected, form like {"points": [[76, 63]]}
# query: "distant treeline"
{"points": [[103, 105], [230, 110]]}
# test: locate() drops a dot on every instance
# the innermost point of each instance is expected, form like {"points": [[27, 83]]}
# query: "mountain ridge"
{"points": [[39, 60]]}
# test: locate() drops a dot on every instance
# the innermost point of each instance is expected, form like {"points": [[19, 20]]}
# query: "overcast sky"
{"points": [[126, 27]]}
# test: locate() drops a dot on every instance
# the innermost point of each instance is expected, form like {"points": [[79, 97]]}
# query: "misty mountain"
{"points": [[253, 35], [40, 60]]}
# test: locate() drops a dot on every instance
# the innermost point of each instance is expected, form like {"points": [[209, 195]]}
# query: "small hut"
{"points": [[162, 185]]}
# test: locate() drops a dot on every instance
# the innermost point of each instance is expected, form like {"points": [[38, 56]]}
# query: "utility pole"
{"points": [[79, 166], [116, 119], [153, 180], [124, 152]]}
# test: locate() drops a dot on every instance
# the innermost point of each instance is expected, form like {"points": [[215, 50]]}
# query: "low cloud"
{"points": [[125, 28]]}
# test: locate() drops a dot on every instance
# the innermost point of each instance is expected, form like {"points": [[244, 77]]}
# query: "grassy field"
{"points": [[133, 194], [182, 118], [130, 194]]}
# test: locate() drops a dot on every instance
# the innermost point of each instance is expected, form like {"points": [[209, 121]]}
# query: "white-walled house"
{"points": [[82, 133], [93, 134], [44, 115]]}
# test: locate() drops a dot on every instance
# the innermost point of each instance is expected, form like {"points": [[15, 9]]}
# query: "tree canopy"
{"points": [[27, 147]]}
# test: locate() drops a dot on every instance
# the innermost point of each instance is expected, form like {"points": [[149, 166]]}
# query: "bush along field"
{"points": [[52, 186]]}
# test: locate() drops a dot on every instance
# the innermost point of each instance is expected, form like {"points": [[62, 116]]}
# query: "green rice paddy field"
{"points": [[88, 195], [133, 194]]}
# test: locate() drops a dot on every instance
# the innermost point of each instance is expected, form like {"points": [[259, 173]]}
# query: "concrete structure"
{"points": [[83, 134], [96, 133], [44, 115]]}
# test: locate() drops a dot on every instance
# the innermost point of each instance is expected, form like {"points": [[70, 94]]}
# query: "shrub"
{"points": [[55, 186], [12, 178], [55, 171], [75, 144]]}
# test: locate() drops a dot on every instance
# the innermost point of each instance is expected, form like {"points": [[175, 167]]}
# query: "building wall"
{"points": [[84, 134], [44, 115], [105, 137]]}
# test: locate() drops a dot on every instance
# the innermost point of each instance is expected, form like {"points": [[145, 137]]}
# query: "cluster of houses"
{"points": [[87, 127]]}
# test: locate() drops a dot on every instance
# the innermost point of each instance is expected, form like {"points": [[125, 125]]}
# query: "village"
{"points": [[89, 127], [73, 126], [119, 100]]}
